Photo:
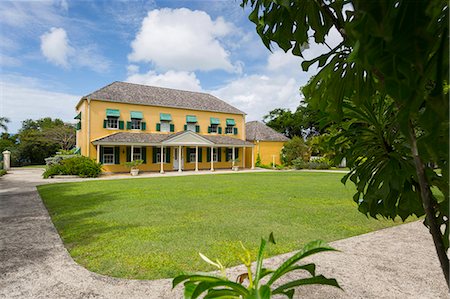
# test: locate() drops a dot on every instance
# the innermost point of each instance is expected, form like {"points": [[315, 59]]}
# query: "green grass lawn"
{"points": [[155, 227]]}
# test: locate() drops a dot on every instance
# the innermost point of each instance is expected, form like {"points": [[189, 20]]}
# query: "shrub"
{"points": [[2, 172], [134, 164], [219, 286], [77, 165], [258, 161], [316, 164]]}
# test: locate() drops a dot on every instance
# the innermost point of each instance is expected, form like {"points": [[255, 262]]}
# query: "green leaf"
{"points": [[306, 281]]}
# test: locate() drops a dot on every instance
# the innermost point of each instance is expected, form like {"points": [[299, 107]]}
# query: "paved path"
{"points": [[398, 262]]}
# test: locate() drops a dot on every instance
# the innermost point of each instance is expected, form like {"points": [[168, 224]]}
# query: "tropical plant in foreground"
{"points": [[261, 283]]}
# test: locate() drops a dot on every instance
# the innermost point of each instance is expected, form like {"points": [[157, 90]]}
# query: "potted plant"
{"points": [[133, 165], [234, 167]]}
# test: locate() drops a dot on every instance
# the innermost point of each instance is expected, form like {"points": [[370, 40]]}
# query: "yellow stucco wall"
{"points": [[97, 111], [266, 150]]}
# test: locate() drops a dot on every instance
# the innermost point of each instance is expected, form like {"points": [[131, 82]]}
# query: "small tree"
{"points": [[293, 149]]}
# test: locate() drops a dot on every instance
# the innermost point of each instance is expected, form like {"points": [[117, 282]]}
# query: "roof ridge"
{"points": [[200, 92]]}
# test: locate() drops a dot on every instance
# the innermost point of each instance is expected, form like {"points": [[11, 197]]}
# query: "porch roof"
{"points": [[126, 138]]}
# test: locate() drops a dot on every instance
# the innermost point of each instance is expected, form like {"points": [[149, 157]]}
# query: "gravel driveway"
{"points": [[398, 262]]}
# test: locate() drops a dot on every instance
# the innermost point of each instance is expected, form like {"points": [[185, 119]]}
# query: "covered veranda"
{"points": [[172, 152]]}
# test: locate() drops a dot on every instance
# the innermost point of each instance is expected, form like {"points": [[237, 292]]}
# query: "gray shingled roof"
{"points": [[122, 92], [256, 130], [155, 138]]}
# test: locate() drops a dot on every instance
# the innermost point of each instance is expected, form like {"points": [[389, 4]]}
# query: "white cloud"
{"points": [[55, 46], [258, 94], [182, 40], [170, 79], [281, 61], [9, 61], [19, 101]]}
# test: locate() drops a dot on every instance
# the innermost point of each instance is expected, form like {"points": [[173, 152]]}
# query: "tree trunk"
{"points": [[428, 203]]}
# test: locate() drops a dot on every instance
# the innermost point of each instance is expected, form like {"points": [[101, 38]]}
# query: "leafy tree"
{"points": [[3, 122], [302, 122], [41, 138], [293, 149], [386, 78]]}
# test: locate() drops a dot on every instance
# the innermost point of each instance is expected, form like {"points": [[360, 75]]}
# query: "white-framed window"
{"points": [[165, 126], [215, 156], [229, 130], [158, 156], [137, 153], [190, 127], [108, 155], [213, 128], [112, 122], [135, 124], [192, 157]]}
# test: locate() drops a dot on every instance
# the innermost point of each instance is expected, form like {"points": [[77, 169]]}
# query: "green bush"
{"points": [[79, 165], [317, 164], [2, 172]]}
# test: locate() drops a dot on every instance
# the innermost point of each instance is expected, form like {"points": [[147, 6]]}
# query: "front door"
{"points": [[176, 156]]}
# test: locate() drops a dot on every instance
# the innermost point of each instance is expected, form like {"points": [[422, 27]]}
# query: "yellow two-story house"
{"points": [[166, 128]]}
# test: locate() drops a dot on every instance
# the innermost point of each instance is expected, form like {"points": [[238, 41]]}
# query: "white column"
{"points": [[162, 160], [212, 158], [243, 157], [232, 156], [253, 158], [179, 158], [132, 151], [98, 153], [6, 160], [196, 158]]}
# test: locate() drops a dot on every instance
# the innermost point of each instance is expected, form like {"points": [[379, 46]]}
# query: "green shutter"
{"points": [[172, 128], [117, 155], [185, 127], [144, 154], [226, 154], [199, 154], [121, 124], [208, 154], [143, 125], [78, 125], [113, 112], [136, 114], [101, 154], [188, 155], [158, 127], [128, 153], [235, 131], [236, 152], [197, 129], [154, 152], [219, 154], [104, 123], [128, 125], [167, 154], [220, 130], [209, 129]]}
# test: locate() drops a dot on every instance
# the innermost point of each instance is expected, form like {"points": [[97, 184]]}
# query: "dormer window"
{"points": [[191, 124], [230, 128], [112, 119], [165, 125], [214, 126]]}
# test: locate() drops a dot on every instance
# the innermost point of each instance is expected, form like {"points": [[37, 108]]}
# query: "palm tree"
{"points": [[3, 122]]}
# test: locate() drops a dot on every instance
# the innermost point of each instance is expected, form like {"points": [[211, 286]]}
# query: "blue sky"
{"points": [[52, 52]]}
